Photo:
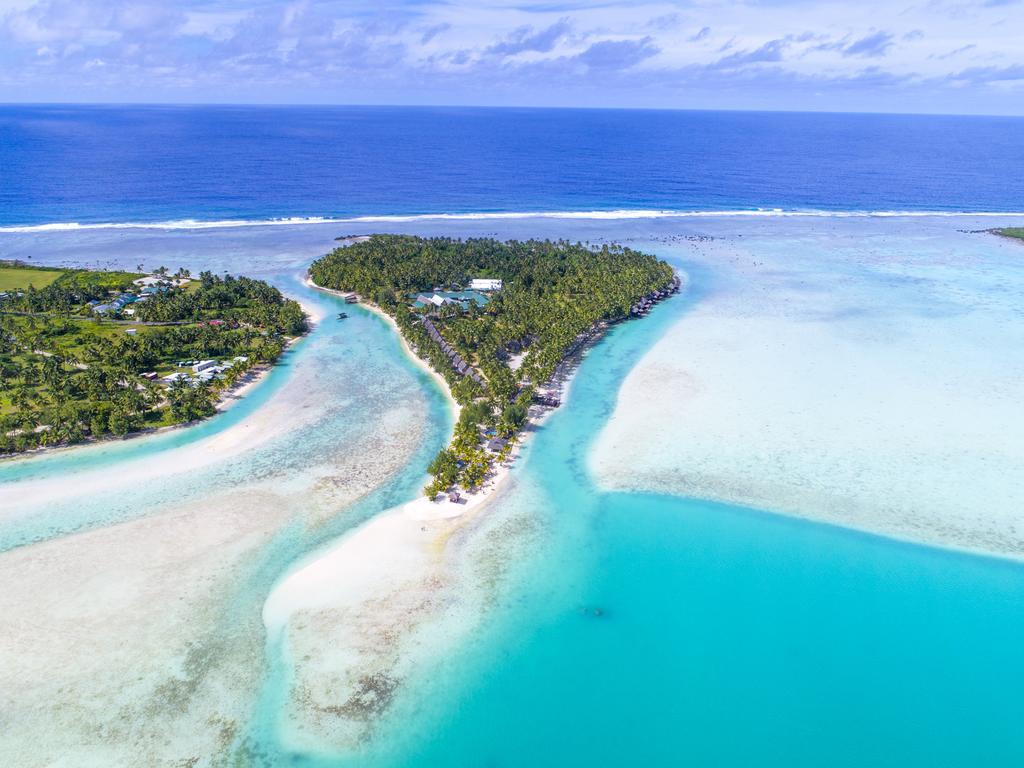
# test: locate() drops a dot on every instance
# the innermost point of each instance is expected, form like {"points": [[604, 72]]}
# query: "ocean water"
{"points": [[623, 628], [210, 542], [61, 164], [726, 636]]}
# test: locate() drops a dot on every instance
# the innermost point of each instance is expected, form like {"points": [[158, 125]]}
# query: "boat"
{"points": [[342, 315]]}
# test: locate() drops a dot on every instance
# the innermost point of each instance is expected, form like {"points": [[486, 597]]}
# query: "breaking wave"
{"points": [[197, 224]]}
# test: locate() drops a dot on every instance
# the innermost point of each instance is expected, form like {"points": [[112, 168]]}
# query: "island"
{"points": [[90, 354], [1017, 233], [496, 320]]}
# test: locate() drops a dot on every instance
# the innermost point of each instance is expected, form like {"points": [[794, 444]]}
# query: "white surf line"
{"points": [[599, 215]]}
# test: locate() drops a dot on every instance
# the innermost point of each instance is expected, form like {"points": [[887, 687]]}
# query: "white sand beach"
{"points": [[351, 617]]}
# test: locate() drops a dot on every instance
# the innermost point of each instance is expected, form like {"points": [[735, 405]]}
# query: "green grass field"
{"points": [[1015, 232], [14, 278], [18, 276], [112, 280]]}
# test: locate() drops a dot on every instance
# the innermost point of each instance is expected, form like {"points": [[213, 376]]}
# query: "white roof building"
{"points": [[485, 284]]}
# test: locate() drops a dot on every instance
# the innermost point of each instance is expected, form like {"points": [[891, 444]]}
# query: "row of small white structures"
{"points": [[205, 370]]}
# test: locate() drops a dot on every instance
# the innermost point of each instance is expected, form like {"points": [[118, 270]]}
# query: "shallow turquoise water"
{"points": [[82, 458], [726, 636]]}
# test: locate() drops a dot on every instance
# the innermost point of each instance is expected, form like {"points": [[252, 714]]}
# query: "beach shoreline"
{"points": [[226, 399], [386, 579], [408, 350], [141, 616], [559, 384]]}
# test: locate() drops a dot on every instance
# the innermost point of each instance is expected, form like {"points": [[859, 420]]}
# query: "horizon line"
{"points": [[356, 105]]}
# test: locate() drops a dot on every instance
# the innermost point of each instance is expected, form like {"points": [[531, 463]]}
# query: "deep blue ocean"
{"points": [[97, 164]]}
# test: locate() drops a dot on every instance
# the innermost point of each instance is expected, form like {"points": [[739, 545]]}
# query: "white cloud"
{"points": [[535, 50]]}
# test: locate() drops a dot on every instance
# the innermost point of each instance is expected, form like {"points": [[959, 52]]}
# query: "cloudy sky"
{"points": [[953, 56]]}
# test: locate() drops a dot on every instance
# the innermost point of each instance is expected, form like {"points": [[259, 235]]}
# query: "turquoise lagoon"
{"points": [[355, 362], [626, 628], [654, 630]]}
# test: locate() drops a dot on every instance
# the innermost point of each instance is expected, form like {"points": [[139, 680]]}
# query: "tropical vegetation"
{"points": [[70, 373], [554, 295], [1014, 232]]}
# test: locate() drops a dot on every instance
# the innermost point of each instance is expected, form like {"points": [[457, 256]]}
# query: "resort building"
{"points": [[485, 284], [202, 365], [441, 298], [160, 282]]}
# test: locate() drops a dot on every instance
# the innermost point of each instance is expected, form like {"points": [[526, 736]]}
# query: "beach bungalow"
{"points": [[202, 365], [485, 284], [496, 444], [432, 300]]}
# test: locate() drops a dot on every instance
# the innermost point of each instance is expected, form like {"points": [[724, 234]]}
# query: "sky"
{"points": [[937, 56]]}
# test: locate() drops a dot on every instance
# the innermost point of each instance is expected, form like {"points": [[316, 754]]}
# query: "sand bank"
{"points": [[348, 617], [112, 645], [142, 642], [265, 424], [867, 383], [355, 618]]}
